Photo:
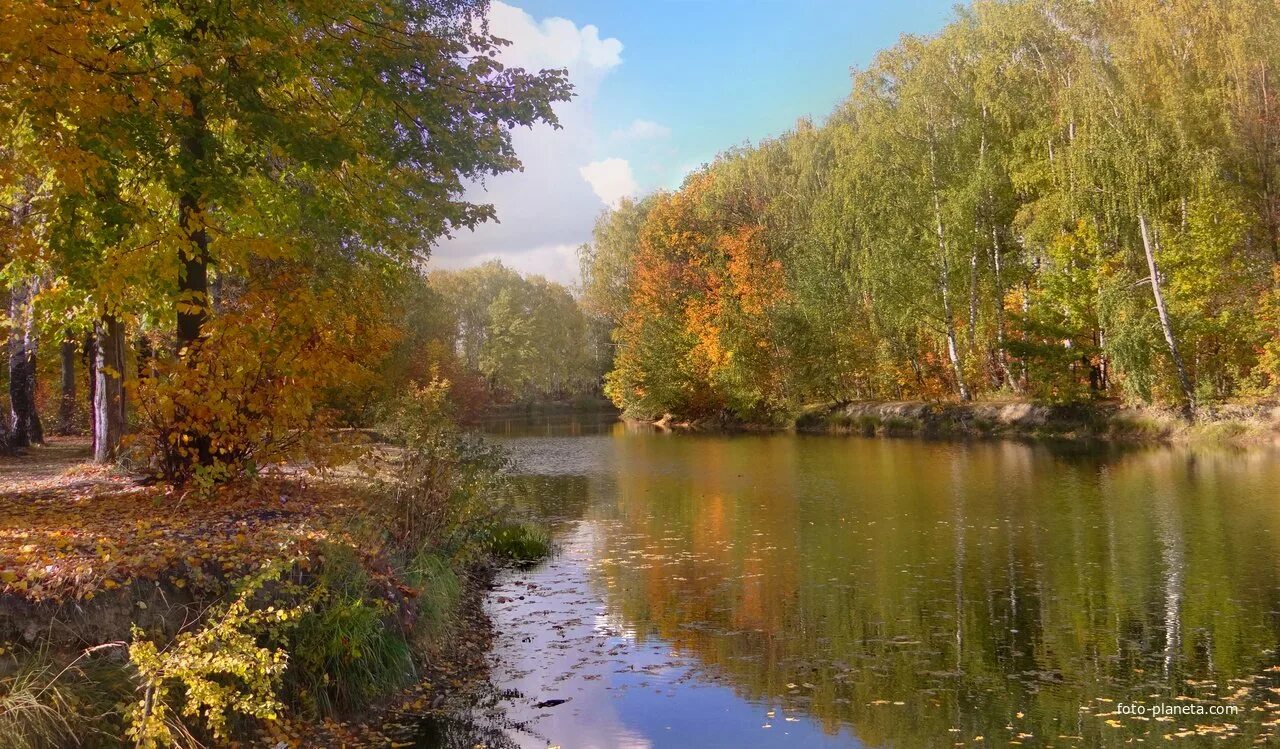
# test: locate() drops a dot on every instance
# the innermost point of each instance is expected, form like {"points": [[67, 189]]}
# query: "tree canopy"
{"points": [[245, 185], [1049, 198]]}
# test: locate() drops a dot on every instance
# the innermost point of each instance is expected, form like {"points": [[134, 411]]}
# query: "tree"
{"points": [[527, 336], [192, 152]]}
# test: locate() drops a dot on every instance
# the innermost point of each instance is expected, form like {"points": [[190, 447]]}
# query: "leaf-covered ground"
{"points": [[70, 530]]}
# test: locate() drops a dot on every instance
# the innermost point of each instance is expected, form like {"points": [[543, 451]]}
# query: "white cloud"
{"points": [[559, 262], [549, 206], [554, 43], [611, 180], [640, 130]]}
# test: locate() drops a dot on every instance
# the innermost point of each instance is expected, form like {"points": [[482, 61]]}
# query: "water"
{"points": [[785, 590]]}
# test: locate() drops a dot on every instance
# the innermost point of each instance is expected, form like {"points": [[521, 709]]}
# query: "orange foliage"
{"points": [[255, 385], [703, 295]]}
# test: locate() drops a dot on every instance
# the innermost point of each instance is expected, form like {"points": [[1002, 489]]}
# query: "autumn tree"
{"points": [[1046, 198], [193, 155]]}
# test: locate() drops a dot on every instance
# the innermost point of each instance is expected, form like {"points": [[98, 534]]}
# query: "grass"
{"points": [[520, 542], [1140, 427], [901, 425], [45, 703], [1222, 431], [348, 650], [440, 591], [33, 710]]}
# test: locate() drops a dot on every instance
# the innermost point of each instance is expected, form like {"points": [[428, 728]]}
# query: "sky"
{"points": [[661, 87]]}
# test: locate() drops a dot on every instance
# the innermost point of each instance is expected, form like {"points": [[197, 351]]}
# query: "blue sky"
{"points": [[663, 86]]}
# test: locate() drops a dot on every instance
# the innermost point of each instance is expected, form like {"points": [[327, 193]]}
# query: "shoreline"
{"points": [[1256, 423], [380, 641]]}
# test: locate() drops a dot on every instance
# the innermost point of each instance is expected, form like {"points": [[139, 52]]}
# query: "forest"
{"points": [[1051, 200]]}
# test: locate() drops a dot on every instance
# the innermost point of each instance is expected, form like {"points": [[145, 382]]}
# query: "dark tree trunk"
{"points": [[193, 273], [67, 405], [193, 302], [27, 429], [145, 355], [193, 279], [108, 389]]}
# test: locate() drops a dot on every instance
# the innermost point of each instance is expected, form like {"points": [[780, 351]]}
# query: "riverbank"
{"points": [[585, 405], [293, 609], [1242, 423]]}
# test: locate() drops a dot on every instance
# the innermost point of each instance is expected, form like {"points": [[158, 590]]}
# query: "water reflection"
{"points": [[900, 592]]}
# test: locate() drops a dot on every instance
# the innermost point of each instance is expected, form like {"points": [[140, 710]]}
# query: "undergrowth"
{"points": [[322, 635]]}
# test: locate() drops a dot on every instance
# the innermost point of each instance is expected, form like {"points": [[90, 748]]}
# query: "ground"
{"points": [[87, 551], [70, 529]]}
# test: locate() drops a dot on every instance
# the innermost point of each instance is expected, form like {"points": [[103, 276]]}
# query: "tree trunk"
{"points": [[27, 429], [67, 405], [1002, 352], [108, 389], [973, 301], [91, 366], [193, 278], [193, 274], [953, 350], [1188, 395], [193, 301]]}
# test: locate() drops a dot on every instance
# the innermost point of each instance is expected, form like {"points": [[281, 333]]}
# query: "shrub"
{"points": [[210, 674], [449, 487], [251, 393]]}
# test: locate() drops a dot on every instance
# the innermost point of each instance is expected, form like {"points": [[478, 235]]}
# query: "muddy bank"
{"points": [[1243, 423]]}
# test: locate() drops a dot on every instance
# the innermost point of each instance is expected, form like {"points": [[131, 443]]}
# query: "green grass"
{"points": [[520, 542], [902, 425], [348, 650], [439, 591]]}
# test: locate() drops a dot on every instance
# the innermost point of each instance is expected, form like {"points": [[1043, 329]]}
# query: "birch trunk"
{"points": [[953, 350], [1188, 395], [1002, 353]]}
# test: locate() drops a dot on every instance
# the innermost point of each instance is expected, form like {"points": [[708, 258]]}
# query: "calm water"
{"points": [[783, 590]]}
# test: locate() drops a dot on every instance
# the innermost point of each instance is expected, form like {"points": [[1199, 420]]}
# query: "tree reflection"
{"points": [[918, 591]]}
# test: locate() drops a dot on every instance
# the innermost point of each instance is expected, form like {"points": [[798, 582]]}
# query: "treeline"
{"points": [[1054, 199], [503, 337], [224, 207]]}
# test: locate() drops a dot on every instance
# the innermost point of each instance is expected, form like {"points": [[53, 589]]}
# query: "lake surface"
{"points": [[811, 591]]}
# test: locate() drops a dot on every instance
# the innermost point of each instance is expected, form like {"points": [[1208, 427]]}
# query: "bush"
{"points": [[450, 487], [251, 393], [211, 674]]}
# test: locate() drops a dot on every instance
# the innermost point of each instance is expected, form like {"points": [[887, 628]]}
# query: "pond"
{"points": [[817, 591]]}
